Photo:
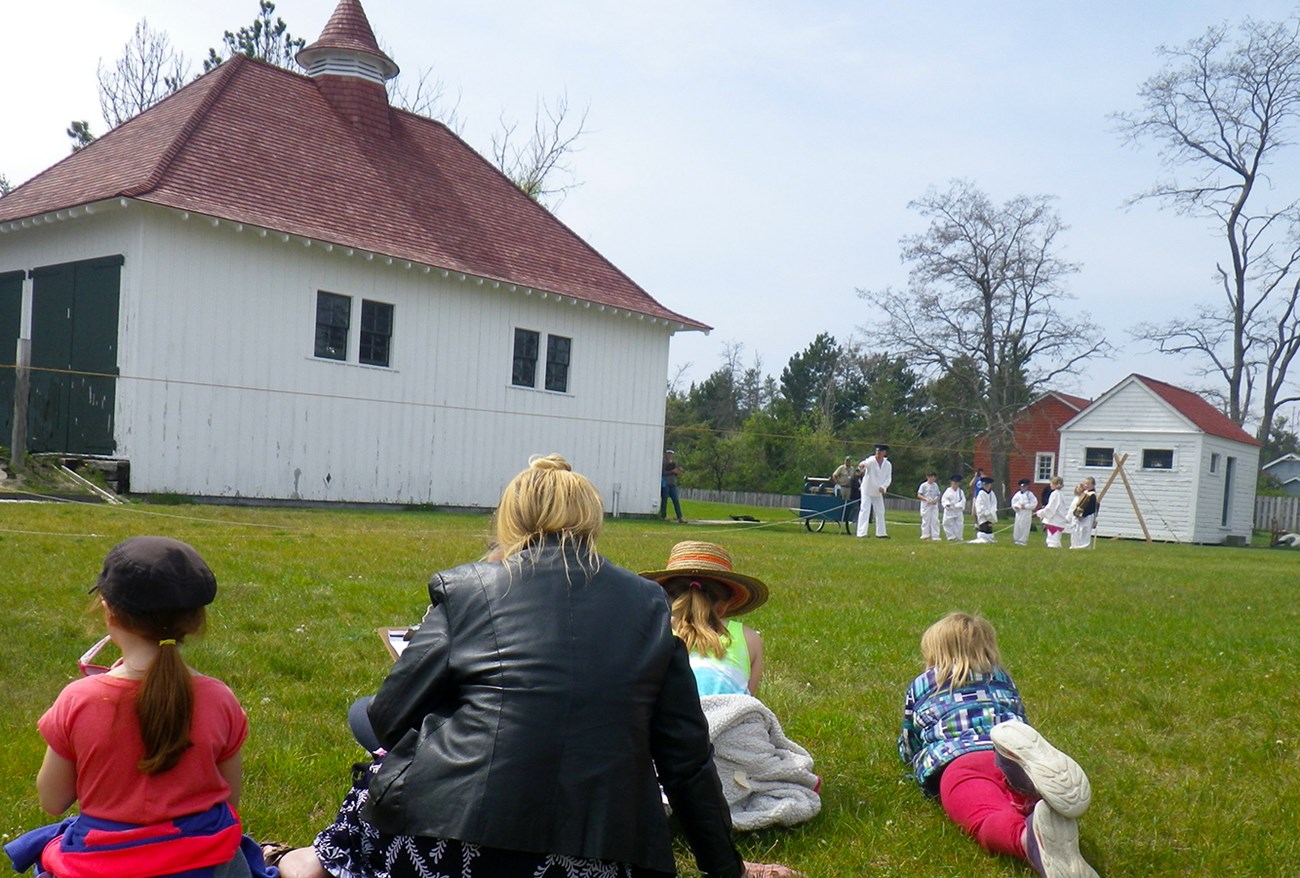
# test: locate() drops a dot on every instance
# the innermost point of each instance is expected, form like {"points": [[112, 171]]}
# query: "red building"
{"points": [[1036, 439]]}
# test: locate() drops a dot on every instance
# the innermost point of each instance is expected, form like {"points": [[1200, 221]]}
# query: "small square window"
{"points": [[1157, 458], [1098, 456], [1044, 466], [523, 373], [557, 362], [333, 318], [376, 332]]}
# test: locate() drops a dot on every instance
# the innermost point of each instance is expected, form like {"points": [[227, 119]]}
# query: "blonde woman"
{"points": [[965, 740], [528, 718]]}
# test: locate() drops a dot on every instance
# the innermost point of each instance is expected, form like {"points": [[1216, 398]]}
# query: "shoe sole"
{"points": [[1057, 778], [1057, 839]]}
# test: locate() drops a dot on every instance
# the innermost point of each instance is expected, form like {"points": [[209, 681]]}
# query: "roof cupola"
{"points": [[350, 69]]}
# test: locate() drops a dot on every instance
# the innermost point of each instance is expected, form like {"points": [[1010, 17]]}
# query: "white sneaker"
{"points": [[1052, 845], [1034, 766]]}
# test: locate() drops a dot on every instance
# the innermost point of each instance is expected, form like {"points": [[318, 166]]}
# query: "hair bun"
{"points": [[549, 462]]}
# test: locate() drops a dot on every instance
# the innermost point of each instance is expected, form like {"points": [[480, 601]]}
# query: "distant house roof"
{"points": [[1286, 458], [259, 145], [1191, 406], [1078, 403]]}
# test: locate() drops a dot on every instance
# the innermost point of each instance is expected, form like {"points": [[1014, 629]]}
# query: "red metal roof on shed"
{"points": [[1193, 407]]}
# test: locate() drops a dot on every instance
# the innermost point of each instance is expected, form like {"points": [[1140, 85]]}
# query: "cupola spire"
{"points": [[349, 67]]}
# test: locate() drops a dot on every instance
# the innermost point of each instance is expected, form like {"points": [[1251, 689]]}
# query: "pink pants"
{"points": [[974, 793]]}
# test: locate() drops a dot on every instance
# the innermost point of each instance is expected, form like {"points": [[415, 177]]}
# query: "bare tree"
{"points": [[540, 165], [426, 95], [985, 285], [148, 70], [1220, 112]]}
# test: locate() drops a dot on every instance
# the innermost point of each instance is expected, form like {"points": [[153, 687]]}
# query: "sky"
{"points": [[750, 164]]}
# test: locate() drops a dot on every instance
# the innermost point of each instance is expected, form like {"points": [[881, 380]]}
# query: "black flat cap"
{"points": [[149, 574]]}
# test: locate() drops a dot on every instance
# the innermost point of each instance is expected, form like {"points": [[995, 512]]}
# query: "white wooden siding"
{"points": [[1131, 407], [220, 394], [1165, 497]]}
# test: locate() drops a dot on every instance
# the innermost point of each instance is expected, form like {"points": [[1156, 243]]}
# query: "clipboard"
{"points": [[395, 640]]}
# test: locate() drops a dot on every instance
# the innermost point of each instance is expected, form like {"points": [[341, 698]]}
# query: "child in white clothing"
{"points": [[954, 510], [929, 496], [986, 512], [1023, 503]]}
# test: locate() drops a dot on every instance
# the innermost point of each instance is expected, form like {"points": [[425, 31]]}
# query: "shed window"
{"points": [[1214, 462], [333, 317], [1098, 456], [376, 332], [1157, 458], [524, 371], [1044, 466], [557, 362]]}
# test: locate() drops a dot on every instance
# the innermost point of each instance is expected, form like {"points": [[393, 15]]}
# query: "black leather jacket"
{"points": [[531, 712]]}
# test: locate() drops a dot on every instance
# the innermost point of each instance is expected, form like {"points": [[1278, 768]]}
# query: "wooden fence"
{"points": [[1280, 512]]}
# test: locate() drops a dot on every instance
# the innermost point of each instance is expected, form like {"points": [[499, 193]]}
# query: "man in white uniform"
{"points": [[877, 473]]}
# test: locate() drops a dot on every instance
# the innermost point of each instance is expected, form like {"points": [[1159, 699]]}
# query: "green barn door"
{"points": [[11, 315], [74, 356]]}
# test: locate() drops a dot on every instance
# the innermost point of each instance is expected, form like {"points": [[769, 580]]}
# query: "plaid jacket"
{"points": [[941, 724]]}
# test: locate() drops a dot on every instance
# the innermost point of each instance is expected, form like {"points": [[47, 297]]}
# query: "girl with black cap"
{"points": [[148, 749]]}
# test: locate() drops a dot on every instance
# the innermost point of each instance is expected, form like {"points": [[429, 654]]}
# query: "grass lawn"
{"points": [[1168, 671]]}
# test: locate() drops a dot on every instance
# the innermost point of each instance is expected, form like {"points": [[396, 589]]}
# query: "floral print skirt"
{"points": [[352, 848]]}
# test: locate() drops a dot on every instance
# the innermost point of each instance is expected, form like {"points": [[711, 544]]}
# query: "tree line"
{"points": [[982, 326]]}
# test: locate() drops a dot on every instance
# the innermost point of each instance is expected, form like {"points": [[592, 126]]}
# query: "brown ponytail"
{"points": [[164, 706]]}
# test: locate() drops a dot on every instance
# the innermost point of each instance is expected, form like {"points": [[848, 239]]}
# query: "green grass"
{"points": [[1167, 671]]}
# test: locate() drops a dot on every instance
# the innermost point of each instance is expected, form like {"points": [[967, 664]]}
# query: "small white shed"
{"points": [[1190, 468]]}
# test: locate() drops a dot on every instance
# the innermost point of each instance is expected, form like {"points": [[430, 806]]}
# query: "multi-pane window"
{"points": [[1044, 466], [524, 371], [376, 332], [557, 362], [333, 317], [1098, 456], [527, 352], [1157, 458]]}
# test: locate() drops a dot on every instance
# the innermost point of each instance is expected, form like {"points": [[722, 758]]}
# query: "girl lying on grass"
{"points": [[965, 739]]}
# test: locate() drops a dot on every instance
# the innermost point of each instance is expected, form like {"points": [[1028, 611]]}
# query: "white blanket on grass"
{"points": [[767, 778]]}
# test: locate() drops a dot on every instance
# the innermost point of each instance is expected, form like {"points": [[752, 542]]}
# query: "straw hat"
{"points": [[694, 559]]}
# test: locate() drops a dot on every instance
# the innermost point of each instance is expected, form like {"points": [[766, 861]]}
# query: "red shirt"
{"points": [[93, 725]]}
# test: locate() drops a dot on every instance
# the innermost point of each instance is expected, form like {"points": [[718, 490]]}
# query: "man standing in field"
{"points": [[877, 474], [843, 477]]}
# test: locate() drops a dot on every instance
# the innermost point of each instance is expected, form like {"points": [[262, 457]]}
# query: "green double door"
{"points": [[74, 355]]}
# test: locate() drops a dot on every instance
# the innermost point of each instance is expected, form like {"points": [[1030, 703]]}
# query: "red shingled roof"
{"points": [[1193, 407], [259, 145]]}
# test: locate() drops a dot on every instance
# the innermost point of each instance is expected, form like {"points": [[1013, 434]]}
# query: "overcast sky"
{"points": [[750, 163]]}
